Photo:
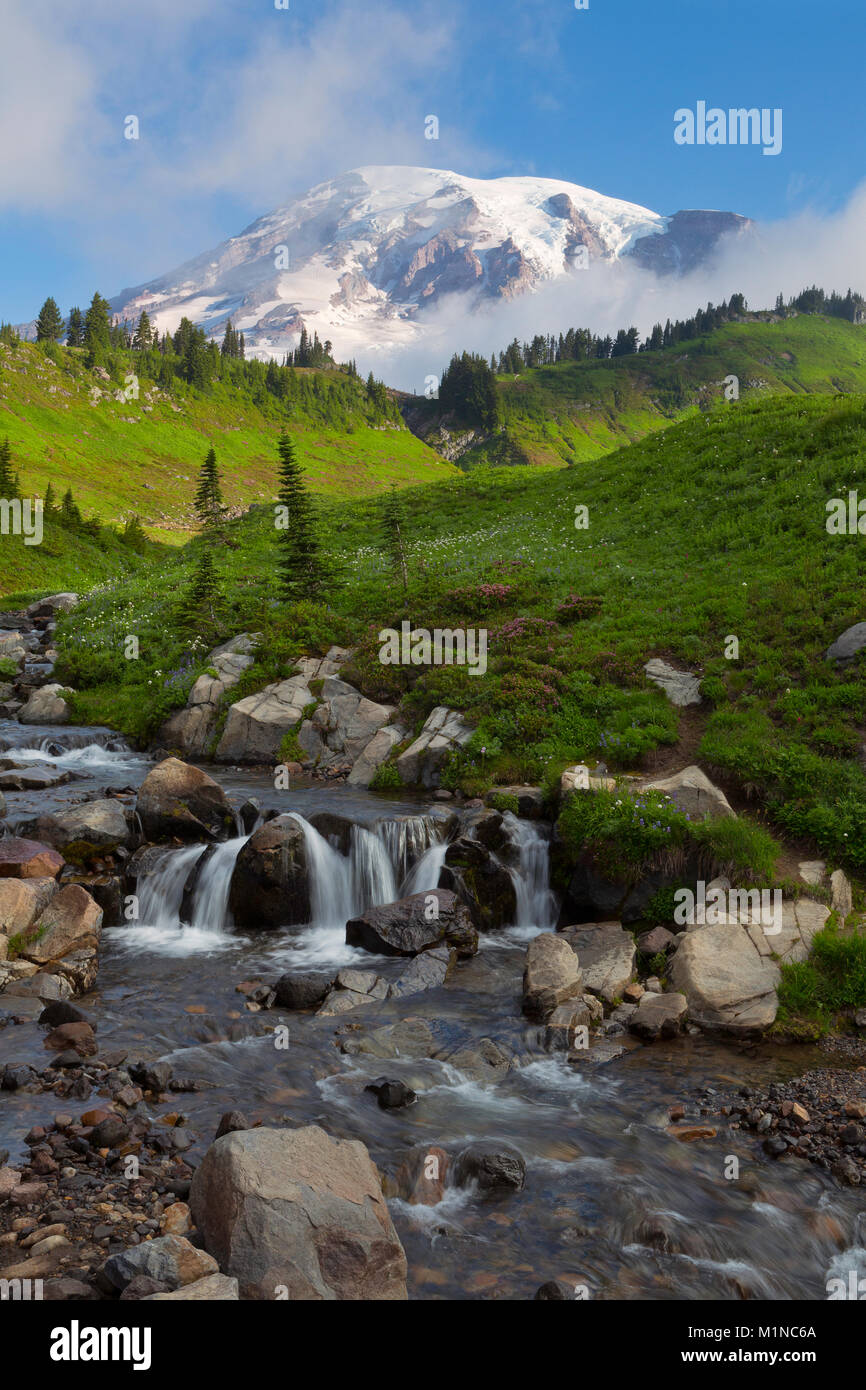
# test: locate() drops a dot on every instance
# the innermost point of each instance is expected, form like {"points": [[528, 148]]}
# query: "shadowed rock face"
{"points": [[690, 239]]}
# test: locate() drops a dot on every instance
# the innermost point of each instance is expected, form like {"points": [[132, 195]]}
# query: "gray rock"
{"points": [[444, 732], [179, 800], [298, 1211], [729, 985], [564, 1024], [98, 823], [427, 971], [301, 991], [846, 647], [551, 976], [681, 687], [693, 792], [494, 1167], [170, 1259], [270, 884], [255, 726], [607, 957], [659, 1016], [46, 705], [651, 943], [411, 925]]}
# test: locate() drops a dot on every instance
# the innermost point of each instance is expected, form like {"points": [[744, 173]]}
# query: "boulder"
{"points": [[256, 725], [376, 752], [484, 884], [842, 901], [298, 1212], [178, 800], [491, 1166], [800, 921], [845, 648], [653, 942], [46, 705], [71, 922], [694, 793], [214, 1288], [22, 901], [607, 956], [298, 990], [270, 885], [101, 824], [20, 858], [659, 1016], [444, 732], [352, 720], [52, 605], [579, 778], [427, 971], [190, 729], [681, 687], [530, 800], [415, 924], [551, 976], [729, 985], [564, 1025]]}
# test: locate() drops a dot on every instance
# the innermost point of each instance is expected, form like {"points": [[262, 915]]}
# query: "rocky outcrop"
{"points": [[730, 986], [343, 725], [191, 729], [551, 976], [415, 924], [270, 885], [176, 799], [256, 726], [46, 706], [694, 793], [681, 687], [297, 1214], [22, 901], [474, 872], [71, 922], [52, 605], [846, 647], [376, 752], [444, 732]]}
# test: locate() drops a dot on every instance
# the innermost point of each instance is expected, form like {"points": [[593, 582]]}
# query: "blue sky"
{"points": [[241, 105]]}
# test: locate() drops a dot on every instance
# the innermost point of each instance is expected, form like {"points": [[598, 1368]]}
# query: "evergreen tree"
{"points": [[299, 560], [143, 336], [69, 514], [49, 501], [393, 526], [97, 331], [209, 497], [198, 608], [8, 480], [75, 328], [49, 324], [133, 535], [230, 345]]}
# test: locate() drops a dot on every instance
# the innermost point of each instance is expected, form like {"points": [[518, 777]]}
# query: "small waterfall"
{"points": [[330, 878], [407, 839], [425, 874], [211, 896], [373, 879], [161, 893], [536, 901]]}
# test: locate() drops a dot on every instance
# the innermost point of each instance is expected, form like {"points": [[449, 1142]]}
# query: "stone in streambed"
{"points": [[391, 1094], [551, 975], [178, 800], [492, 1166], [415, 924], [270, 885], [170, 1259]]}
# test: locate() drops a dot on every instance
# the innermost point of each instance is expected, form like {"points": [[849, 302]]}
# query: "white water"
{"points": [[536, 901]]}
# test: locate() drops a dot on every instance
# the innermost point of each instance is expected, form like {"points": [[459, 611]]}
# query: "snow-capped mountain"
{"points": [[360, 259]]}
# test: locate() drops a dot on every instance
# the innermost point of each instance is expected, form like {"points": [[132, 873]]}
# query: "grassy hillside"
{"points": [[576, 411], [123, 457], [715, 528]]}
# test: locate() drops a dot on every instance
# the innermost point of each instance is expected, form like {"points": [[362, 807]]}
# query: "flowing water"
{"points": [[611, 1199]]}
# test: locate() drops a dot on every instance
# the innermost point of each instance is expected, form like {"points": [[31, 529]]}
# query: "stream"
{"points": [[612, 1201]]}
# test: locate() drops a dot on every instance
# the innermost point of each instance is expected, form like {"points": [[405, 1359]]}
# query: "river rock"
{"points": [[681, 687], [658, 939], [297, 990], [46, 705], [551, 975], [564, 1025], [21, 858], [694, 793], [481, 881], [492, 1166], [215, 1288], [270, 884], [444, 732], [659, 1016], [729, 985], [607, 956], [170, 1259], [52, 605], [427, 971], [178, 800], [414, 924], [255, 726], [71, 923], [101, 824], [300, 1212], [22, 900]]}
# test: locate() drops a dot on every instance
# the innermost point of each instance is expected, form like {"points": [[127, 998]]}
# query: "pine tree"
{"points": [[97, 331], [75, 328], [230, 347], [143, 335], [299, 561], [393, 525], [49, 501], [69, 514], [49, 324], [134, 536], [209, 497], [8, 480], [198, 609]]}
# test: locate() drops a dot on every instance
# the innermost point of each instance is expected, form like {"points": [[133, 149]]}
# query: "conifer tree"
{"points": [[69, 513], [49, 324], [143, 336], [198, 609], [75, 328], [49, 501], [299, 560], [8, 480], [97, 331], [393, 526], [209, 497]]}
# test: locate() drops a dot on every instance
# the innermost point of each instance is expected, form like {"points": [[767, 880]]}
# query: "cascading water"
{"points": [[425, 874], [536, 901]]}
